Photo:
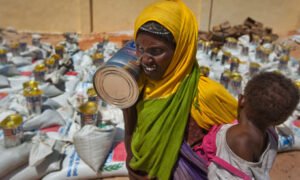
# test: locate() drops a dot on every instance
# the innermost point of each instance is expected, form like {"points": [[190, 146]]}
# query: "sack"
{"points": [[93, 144]]}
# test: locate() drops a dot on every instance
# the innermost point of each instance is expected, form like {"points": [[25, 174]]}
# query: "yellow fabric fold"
{"points": [[213, 104], [174, 16]]}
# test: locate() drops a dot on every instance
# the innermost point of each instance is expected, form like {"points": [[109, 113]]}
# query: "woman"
{"points": [[177, 105]]}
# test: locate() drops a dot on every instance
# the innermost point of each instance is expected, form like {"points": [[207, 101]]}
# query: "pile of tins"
{"points": [[57, 58], [234, 63]]}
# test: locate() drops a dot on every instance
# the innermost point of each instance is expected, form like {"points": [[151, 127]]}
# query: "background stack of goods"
{"points": [[237, 57], [53, 124]]}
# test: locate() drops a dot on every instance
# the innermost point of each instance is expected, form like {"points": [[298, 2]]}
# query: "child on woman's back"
{"points": [[248, 149]]}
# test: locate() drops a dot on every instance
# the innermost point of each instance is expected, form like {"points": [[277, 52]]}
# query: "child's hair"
{"points": [[271, 98]]}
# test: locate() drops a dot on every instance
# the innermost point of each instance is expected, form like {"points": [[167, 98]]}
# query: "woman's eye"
{"points": [[155, 51]]}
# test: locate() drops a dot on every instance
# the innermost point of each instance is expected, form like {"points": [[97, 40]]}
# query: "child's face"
{"points": [[155, 55]]}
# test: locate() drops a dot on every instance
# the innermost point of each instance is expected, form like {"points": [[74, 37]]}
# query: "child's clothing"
{"points": [[215, 147]]}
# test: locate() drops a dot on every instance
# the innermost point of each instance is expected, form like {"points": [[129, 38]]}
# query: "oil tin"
{"points": [[283, 62], [3, 56], [14, 48], [118, 82], [253, 68], [98, 59], [231, 43], [258, 52], [201, 45], [59, 49], [204, 71], [92, 95], [234, 64], [12, 130], [267, 39], [225, 57], [51, 64], [255, 40], [39, 72], [207, 47], [214, 54], [235, 84], [245, 51], [225, 78], [265, 55], [88, 113], [33, 97]]}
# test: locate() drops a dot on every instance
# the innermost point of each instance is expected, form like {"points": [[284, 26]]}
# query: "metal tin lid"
{"points": [[226, 53], [116, 86], [89, 107], [215, 50], [226, 73], [30, 84], [236, 77], [59, 47], [50, 61], [40, 67], [231, 40], [91, 92], [56, 57], [254, 65], [32, 92], [284, 58], [3, 51], [235, 60], [12, 121], [97, 56], [297, 83]]}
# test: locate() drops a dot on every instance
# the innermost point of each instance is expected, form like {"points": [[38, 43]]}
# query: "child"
{"points": [[248, 149]]}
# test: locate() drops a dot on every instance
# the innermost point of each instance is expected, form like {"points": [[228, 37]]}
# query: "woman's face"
{"points": [[154, 53]]}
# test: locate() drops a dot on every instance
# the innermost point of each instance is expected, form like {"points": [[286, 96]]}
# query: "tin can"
{"points": [[258, 52], [214, 54], [88, 113], [225, 78], [245, 51], [51, 64], [14, 48], [33, 97], [225, 57], [235, 84], [59, 49], [98, 59], [253, 68], [92, 95], [3, 56], [207, 46], [255, 39], [231, 43], [118, 81], [265, 55], [204, 71], [234, 64], [23, 46], [283, 62], [201, 45], [39, 72], [57, 57], [267, 39], [12, 130]]}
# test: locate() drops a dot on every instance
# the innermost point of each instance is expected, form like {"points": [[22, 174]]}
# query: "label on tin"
{"points": [[13, 137], [34, 104]]}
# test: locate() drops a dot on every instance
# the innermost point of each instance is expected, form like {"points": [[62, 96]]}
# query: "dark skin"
{"points": [[245, 139]]}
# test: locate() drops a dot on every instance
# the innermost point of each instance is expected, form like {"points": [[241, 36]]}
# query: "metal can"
{"points": [[39, 72], [201, 45], [14, 48], [265, 55], [231, 43], [60, 49], [267, 39], [51, 64], [225, 57], [12, 130], [258, 52], [23, 46], [214, 54], [204, 71], [33, 97], [207, 46], [98, 59], [234, 64], [88, 113], [253, 68], [235, 84], [3, 56], [245, 51], [283, 62], [92, 95], [255, 39], [225, 78]]}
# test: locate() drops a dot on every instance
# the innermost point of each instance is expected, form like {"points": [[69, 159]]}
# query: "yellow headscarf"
{"points": [[175, 16]]}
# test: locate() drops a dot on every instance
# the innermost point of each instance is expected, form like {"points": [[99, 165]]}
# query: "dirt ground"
{"points": [[287, 164]]}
